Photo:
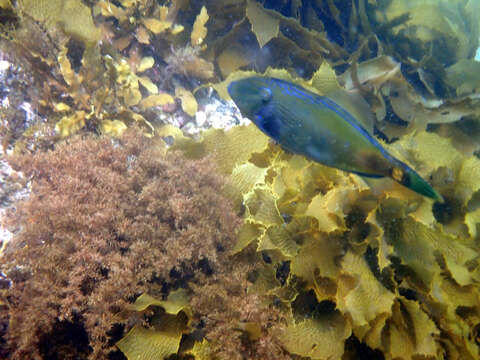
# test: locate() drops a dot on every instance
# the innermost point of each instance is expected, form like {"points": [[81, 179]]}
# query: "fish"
{"points": [[320, 129]]}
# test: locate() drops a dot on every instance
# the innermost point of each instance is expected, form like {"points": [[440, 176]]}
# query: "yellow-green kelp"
{"points": [[382, 263]]}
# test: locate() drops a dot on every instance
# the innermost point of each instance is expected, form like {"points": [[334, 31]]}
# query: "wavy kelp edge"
{"points": [[295, 210]]}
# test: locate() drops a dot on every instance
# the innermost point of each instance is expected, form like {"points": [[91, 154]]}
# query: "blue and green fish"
{"points": [[320, 129]]}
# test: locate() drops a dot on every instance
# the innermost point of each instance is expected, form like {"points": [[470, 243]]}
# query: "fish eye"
{"points": [[265, 94]]}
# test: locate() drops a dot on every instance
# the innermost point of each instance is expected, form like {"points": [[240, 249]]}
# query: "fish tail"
{"points": [[418, 184], [409, 178]]}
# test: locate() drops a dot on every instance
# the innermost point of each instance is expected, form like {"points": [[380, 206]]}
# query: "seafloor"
{"points": [[142, 216]]}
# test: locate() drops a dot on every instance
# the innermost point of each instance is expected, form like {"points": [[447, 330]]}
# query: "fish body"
{"points": [[317, 127]]}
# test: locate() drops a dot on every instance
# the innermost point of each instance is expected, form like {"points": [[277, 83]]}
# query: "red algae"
{"points": [[106, 221]]}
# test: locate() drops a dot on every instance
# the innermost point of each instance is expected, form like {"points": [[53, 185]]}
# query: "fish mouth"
{"points": [[233, 90], [236, 90], [245, 86], [245, 94]]}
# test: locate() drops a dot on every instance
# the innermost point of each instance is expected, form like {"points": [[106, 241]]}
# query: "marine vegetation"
{"points": [[380, 267], [134, 240], [104, 223]]}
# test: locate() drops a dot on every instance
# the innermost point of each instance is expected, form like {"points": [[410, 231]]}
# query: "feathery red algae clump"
{"points": [[106, 221]]}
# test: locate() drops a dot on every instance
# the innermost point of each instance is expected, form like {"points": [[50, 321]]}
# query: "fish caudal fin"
{"points": [[410, 179]]}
